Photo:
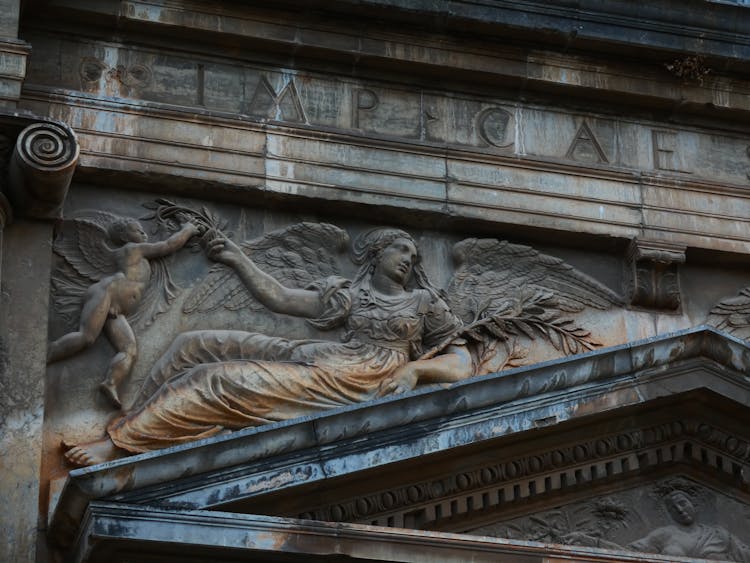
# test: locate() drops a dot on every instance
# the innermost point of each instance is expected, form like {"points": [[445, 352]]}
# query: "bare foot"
{"points": [[91, 453], [110, 391]]}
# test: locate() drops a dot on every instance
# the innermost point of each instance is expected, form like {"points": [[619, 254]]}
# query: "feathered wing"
{"points": [[295, 256], [501, 290], [84, 244], [732, 314], [490, 274]]}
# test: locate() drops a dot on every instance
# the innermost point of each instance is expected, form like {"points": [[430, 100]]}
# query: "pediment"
{"points": [[487, 452], [676, 514]]}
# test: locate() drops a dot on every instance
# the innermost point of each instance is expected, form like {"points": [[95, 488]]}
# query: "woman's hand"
{"points": [[447, 368], [403, 380], [223, 250]]}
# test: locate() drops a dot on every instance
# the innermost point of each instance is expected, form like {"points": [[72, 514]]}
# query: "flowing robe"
{"points": [[709, 542], [209, 381]]}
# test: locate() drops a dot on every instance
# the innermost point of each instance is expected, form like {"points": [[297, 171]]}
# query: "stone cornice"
{"points": [[450, 501], [109, 527], [255, 462], [620, 52], [252, 160]]}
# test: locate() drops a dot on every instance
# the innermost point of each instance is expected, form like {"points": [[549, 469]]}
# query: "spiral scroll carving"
{"points": [[47, 146], [41, 168]]}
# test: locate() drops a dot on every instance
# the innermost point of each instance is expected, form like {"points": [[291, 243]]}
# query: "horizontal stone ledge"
{"points": [[112, 526], [586, 143], [708, 28], [538, 189], [423, 58]]}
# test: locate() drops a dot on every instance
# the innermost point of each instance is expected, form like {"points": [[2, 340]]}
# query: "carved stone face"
{"points": [[681, 508], [134, 232], [397, 260]]}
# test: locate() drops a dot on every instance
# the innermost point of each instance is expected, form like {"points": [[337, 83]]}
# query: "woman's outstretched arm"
{"points": [[277, 297]]}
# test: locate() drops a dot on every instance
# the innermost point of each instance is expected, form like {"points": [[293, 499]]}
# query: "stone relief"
{"points": [[665, 519], [396, 328], [653, 277], [732, 314], [114, 277]]}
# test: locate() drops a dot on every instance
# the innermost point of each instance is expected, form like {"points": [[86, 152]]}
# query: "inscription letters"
{"points": [[493, 127], [665, 151], [586, 147], [435, 117], [364, 100], [283, 106]]}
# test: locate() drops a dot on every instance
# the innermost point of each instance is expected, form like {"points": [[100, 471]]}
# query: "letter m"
{"points": [[281, 106]]}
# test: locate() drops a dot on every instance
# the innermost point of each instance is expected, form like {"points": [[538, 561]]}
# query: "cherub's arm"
{"points": [[277, 297], [166, 247]]}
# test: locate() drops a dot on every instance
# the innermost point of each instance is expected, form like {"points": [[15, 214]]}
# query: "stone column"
{"points": [[39, 172]]}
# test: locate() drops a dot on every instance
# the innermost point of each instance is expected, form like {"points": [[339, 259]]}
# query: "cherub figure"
{"points": [[115, 254]]}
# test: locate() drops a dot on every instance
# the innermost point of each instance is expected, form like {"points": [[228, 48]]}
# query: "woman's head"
{"points": [[372, 247], [680, 507], [368, 247]]}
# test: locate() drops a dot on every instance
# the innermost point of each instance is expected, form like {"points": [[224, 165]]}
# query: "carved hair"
{"points": [[368, 249], [118, 230], [666, 489]]}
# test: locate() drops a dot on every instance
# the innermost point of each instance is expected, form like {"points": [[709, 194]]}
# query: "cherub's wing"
{"points": [[83, 243], [158, 295], [732, 314], [492, 275], [295, 256]]}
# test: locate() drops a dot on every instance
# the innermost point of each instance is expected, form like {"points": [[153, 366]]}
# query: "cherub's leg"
{"points": [[93, 316], [120, 334]]}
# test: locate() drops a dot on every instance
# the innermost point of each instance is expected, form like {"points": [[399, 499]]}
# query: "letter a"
{"points": [[585, 147]]}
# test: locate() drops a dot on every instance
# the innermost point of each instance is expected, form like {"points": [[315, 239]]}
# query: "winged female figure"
{"points": [[398, 331]]}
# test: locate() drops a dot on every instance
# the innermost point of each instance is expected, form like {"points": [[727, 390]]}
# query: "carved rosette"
{"points": [[41, 169], [654, 281]]}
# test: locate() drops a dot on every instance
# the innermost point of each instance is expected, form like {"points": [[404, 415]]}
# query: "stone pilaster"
{"points": [[38, 160]]}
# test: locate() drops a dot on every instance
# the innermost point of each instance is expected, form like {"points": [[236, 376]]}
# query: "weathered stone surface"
{"points": [[259, 538], [574, 128], [596, 174], [674, 516], [22, 349], [252, 463], [654, 280]]}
